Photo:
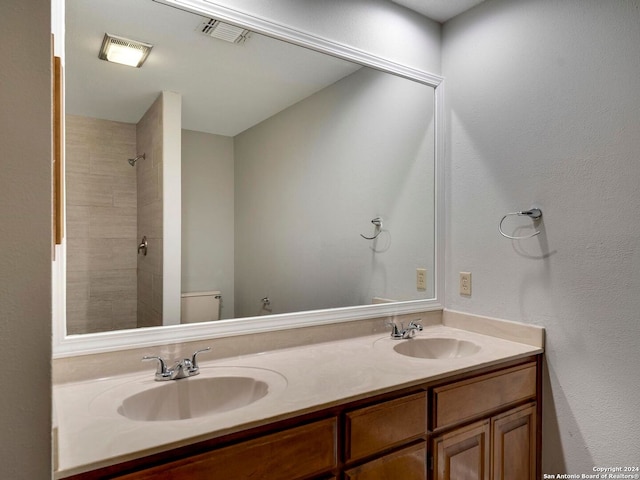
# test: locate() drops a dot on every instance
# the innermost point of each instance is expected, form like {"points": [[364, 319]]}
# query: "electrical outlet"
{"points": [[465, 283], [421, 278]]}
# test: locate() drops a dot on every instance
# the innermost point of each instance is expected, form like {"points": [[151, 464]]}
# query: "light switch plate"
{"points": [[465, 283], [421, 278]]}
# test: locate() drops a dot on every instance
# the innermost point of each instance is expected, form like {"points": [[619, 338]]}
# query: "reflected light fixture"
{"points": [[124, 51]]}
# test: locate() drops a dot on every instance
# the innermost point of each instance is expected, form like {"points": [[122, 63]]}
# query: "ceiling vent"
{"points": [[223, 31]]}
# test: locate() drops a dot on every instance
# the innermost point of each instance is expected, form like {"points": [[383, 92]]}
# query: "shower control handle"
{"points": [[142, 247]]}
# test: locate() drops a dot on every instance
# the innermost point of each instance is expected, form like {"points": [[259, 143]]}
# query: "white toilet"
{"points": [[200, 307]]}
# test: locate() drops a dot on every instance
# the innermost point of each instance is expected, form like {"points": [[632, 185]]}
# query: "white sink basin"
{"points": [[193, 397], [436, 348], [214, 391]]}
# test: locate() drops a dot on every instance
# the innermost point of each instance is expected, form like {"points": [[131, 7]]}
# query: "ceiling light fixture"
{"points": [[124, 51]]}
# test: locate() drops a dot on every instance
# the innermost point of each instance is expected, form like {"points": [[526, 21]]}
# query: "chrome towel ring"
{"points": [[378, 223], [534, 214]]}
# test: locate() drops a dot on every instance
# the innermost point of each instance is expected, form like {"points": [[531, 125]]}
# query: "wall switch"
{"points": [[465, 283], [421, 278]]}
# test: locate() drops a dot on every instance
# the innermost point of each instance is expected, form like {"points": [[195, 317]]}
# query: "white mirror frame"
{"points": [[70, 345]]}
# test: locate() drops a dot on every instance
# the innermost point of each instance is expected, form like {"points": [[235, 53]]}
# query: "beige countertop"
{"points": [[92, 434]]}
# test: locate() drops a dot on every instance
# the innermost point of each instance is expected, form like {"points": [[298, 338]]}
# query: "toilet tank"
{"points": [[200, 307]]}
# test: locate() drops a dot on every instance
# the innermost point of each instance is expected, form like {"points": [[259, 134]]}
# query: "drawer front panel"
{"points": [[467, 399], [408, 464], [373, 429], [291, 454]]}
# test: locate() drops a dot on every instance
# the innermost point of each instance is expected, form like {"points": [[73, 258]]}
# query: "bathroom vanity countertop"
{"points": [[318, 376]]}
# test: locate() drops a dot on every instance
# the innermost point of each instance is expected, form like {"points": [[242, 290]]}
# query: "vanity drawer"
{"points": [[408, 463], [372, 429], [296, 453], [480, 396]]}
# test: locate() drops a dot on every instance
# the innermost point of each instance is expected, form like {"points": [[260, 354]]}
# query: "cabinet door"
{"points": [[407, 464], [514, 444], [463, 454]]}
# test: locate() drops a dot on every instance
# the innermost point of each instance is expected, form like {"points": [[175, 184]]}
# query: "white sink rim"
{"points": [[192, 397], [268, 383], [436, 348]]}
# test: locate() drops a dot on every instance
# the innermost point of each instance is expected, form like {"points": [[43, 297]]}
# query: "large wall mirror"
{"points": [[267, 182]]}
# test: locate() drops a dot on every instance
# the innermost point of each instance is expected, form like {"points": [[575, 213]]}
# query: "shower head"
{"points": [[132, 161]]}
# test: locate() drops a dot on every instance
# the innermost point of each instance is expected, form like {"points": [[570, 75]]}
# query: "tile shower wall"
{"points": [[101, 225], [149, 173]]}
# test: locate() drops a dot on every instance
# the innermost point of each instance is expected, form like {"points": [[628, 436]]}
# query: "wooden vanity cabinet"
{"points": [[482, 425], [501, 448], [503, 444]]}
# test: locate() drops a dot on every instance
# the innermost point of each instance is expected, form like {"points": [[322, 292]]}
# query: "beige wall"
{"points": [[149, 174], [101, 225], [544, 108], [25, 269], [309, 180], [208, 216], [25, 240]]}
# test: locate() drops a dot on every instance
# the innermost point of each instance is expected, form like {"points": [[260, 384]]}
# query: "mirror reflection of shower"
{"points": [[132, 161]]}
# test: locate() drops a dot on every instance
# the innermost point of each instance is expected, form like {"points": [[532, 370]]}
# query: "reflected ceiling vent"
{"points": [[223, 31]]}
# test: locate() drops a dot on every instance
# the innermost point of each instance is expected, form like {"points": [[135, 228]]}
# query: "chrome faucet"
{"points": [[187, 367], [404, 333]]}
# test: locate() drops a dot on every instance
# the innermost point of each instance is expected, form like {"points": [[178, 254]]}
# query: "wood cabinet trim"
{"points": [[58, 157]]}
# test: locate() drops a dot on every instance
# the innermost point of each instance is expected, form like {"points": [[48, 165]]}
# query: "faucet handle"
{"points": [[395, 332], [416, 325], [194, 362], [161, 372]]}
